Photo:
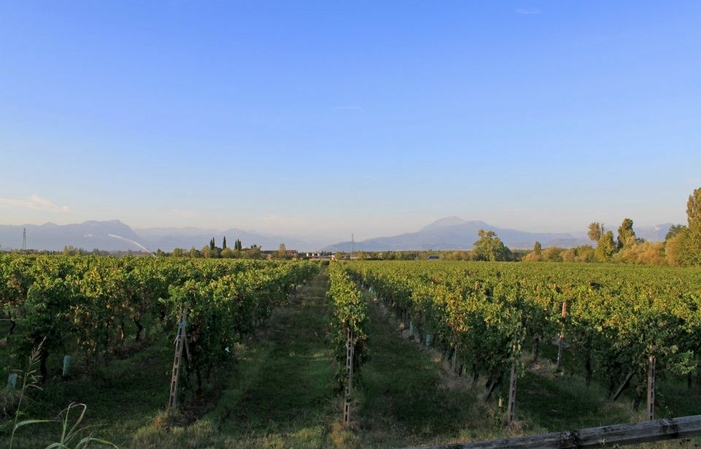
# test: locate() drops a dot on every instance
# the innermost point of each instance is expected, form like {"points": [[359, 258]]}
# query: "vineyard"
{"points": [[629, 324], [248, 328]]}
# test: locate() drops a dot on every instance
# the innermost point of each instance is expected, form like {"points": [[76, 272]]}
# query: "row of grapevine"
{"points": [[349, 320], [92, 305], [619, 318]]}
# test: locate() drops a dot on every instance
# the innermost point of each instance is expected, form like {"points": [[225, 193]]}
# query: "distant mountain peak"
{"points": [[453, 221], [444, 222], [453, 233]]}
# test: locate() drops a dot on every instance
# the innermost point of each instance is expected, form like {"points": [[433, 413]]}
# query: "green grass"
{"points": [[120, 398], [555, 403], [286, 382], [405, 397]]}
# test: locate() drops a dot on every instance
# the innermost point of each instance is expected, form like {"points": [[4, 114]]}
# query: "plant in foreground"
{"points": [[29, 380], [69, 432]]}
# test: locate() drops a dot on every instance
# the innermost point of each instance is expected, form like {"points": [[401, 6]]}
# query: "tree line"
{"points": [[681, 247]]}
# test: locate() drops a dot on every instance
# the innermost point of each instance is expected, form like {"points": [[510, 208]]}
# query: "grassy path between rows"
{"points": [[285, 397], [406, 398], [280, 393]]}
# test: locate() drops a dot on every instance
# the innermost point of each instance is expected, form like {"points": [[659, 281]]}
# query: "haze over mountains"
{"points": [[451, 233], [454, 233], [113, 235]]}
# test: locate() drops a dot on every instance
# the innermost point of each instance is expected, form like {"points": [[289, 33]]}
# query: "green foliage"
{"points": [[596, 231], [626, 234], [484, 313], [69, 433], [683, 243], [582, 253], [479, 318], [693, 210], [674, 230], [349, 312], [490, 248], [536, 255], [645, 253], [606, 247], [537, 248], [86, 304], [29, 380], [618, 315]]}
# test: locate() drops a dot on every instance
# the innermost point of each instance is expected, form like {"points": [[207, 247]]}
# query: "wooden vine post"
{"points": [[561, 337], [512, 391], [651, 388], [180, 341], [350, 353], [511, 407]]}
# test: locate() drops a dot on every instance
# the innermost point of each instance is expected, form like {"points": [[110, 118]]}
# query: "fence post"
{"points": [[595, 437]]}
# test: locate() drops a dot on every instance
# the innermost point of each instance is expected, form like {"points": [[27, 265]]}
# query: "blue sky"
{"points": [[339, 117]]}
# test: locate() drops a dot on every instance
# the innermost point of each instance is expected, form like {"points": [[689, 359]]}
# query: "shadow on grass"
{"points": [[402, 399], [284, 384], [555, 403]]}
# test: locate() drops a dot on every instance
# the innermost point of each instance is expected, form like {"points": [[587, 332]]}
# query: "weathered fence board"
{"points": [[595, 437]]}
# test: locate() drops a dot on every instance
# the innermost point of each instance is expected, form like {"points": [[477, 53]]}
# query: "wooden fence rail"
{"points": [[595, 437]]}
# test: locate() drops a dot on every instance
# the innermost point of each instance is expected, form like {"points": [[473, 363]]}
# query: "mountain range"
{"points": [[451, 233], [454, 233], [113, 235]]}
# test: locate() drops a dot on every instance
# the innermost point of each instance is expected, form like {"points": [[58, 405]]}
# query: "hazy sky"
{"points": [[339, 117]]}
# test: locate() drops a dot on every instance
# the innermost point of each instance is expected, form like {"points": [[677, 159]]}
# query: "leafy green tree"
{"points": [[212, 244], [238, 246], [606, 247], [674, 230], [553, 254], [684, 248], [677, 248], [537, 248], [583, 253], [596, 231], [693, 211], [536, 255], [253, 252], [490, 247], [626, 234], [643, 253], [223, 243]]}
